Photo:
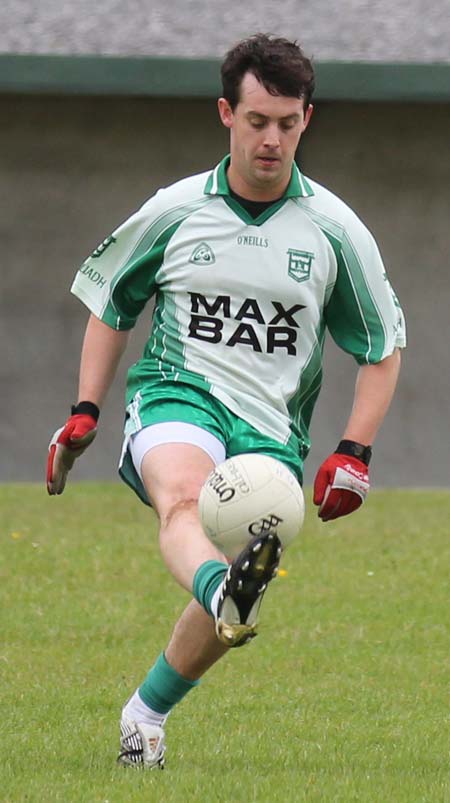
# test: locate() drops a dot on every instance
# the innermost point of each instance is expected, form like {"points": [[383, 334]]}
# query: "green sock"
{"points": [[207, 580], [164, 686]]}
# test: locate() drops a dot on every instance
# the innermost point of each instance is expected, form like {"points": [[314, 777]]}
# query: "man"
{"points": [[249, 264]]}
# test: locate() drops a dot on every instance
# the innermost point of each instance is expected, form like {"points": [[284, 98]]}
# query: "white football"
{"points": [[246, 495]]}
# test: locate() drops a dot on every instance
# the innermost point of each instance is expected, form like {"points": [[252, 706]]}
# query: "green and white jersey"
{"points": [[242, 304]]}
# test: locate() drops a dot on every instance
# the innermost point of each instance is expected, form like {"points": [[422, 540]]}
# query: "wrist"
{"points": [[355, 449], [86, 408]]}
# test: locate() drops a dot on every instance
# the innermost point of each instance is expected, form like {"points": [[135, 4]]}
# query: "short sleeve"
{"points": [[363, 313], [117, 279]]}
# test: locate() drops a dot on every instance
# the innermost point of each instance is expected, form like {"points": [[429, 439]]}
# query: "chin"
{"points": [[268, 173]]}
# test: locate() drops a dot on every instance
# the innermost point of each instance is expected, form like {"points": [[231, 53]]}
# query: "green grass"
{"points": [[343, 697]]}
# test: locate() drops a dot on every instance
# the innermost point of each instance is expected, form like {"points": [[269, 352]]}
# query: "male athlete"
{"points": [[249, 264]]}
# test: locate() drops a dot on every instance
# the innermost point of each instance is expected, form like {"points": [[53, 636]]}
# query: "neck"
{"points": [[254, 193]]}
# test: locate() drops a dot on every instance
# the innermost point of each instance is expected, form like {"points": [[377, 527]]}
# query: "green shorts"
{"points": [[165, 402]]}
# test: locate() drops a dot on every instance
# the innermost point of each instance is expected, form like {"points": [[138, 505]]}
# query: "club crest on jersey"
{"points": [[299, 265], [202, 255]]}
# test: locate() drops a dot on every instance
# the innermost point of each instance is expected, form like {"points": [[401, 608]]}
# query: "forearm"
{"points": [[100, 356], [375, 386]]}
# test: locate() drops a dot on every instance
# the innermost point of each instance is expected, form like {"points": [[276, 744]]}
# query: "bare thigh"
{"points": [[173, 475]]}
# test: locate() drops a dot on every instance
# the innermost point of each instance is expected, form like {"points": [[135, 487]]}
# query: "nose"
{"points": [[272, 136]]}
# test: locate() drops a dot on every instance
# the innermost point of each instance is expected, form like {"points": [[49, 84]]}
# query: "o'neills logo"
{"points": [[260, 242], [239, 482], [221, 486]]}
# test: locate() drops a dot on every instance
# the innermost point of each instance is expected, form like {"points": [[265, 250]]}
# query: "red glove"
{"points": [[341, 485], [68, 443]]}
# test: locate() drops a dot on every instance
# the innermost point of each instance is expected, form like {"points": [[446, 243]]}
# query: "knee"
{"points": [[187, 507]]}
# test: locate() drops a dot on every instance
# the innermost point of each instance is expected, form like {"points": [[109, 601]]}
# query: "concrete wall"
{"points": [[71, 169], [352, 30]]}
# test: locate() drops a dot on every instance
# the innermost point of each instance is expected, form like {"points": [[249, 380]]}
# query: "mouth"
{"points": [[267, 161]]}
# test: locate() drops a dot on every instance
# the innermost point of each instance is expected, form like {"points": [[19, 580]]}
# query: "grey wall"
{"points": [[71, 169], [352, 30]]}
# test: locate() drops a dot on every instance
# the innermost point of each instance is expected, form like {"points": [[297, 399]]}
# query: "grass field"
{"points": [[343, 697]]}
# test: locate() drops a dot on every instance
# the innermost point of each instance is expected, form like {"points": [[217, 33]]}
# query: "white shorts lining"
{"points": [[174, 432]]}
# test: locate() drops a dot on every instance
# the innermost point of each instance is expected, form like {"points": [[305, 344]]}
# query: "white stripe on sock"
{"points": [[215, 600]]}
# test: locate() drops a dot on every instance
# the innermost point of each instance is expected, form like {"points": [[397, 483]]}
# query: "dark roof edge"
{"points": [[183, 77]]}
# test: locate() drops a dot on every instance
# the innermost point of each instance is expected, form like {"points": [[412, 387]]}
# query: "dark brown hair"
{"points": [[278, 64]]}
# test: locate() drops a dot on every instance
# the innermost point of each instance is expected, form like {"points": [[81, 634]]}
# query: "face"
{"points": [[265, 131]]}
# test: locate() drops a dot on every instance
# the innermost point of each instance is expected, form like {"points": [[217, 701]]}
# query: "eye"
{"points": [[287, 125], [258, 124]]}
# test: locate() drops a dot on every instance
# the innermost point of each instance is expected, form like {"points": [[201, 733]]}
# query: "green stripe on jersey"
{"points": [[302, 403], [135, 282], [165, 341], [373, 321], [358, 332], [174, 215], [365, 338]]}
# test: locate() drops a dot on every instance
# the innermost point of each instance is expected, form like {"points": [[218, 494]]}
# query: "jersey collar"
{"points": [[217, 183]]}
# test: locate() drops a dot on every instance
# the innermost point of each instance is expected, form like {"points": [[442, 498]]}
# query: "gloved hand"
{"points": [[342, 482], [69, 442]]}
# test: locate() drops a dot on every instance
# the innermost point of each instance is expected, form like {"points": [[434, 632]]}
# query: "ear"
{"points": [[225, 112], [308, 115]]}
